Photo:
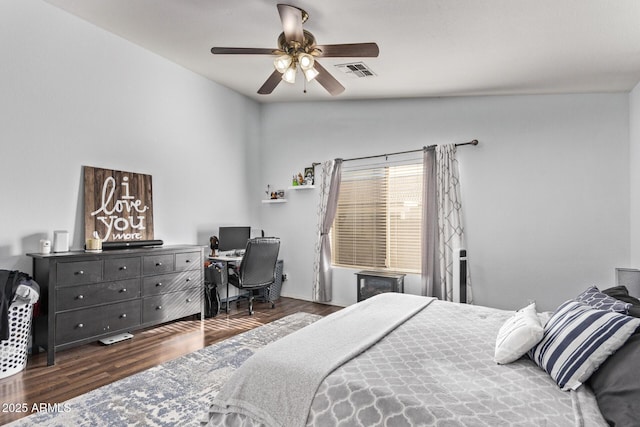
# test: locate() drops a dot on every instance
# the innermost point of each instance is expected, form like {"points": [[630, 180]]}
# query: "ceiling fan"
{"points": [[297, 48]]}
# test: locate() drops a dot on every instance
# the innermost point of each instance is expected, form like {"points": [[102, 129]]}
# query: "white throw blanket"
{"points": [[277, 384]]}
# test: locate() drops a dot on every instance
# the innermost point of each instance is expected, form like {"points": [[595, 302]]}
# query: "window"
{"points": [[378, 219]]}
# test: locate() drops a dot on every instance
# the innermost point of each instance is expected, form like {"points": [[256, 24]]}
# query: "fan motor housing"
{"points": [[294, 46]]}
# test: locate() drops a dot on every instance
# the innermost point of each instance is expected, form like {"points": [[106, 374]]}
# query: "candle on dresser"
{"points": [[94, 245]]}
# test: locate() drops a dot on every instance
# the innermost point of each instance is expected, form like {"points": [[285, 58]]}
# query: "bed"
{"points": [[398, 359]]}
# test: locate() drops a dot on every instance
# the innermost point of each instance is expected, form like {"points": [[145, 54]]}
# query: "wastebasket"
{"points": [[214, 276]]}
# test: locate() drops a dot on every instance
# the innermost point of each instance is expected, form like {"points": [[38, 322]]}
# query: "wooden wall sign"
{"points": [[118, 206]]}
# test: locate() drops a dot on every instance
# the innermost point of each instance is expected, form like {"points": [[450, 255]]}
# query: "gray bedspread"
{"points": [[437, 369], [276, 386]]}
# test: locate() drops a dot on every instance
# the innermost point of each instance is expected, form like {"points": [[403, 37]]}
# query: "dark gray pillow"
{"points": [[622, 293], [616, 384]]}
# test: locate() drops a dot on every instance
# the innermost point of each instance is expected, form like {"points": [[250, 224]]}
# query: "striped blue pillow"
{"points": [[577, 339]]}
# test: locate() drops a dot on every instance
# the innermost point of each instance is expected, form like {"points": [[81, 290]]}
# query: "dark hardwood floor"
{"points": [[84, 368]]}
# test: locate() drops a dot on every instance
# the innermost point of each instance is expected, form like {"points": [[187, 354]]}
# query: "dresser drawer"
{"points": [[72, 297], [170, 306], [80, 324], [153, 285], [188, 261], [78, 272], [122, 268], [156, 264]]}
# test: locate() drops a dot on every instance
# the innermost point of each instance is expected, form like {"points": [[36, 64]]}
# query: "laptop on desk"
{"points": [[229, 256]]}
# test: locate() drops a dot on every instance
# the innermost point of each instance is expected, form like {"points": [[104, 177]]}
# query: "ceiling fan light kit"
{"points": [[289, 75], [297, 46], [282, 62], [310, 74], [306, 61]]}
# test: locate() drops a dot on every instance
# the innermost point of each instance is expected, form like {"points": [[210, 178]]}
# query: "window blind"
{"points": [[378, 219]]}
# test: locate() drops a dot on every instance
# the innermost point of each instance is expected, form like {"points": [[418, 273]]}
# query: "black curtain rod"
{"points": [[430, 147]]}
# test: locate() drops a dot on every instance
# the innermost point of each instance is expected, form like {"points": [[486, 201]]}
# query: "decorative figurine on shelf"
{"points": [[308, 176], [213, 243], [300, 179], [273, 195], [294, 181]]}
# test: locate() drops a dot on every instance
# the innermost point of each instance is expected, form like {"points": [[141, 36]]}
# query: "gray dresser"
{"points": [[89, 296]]}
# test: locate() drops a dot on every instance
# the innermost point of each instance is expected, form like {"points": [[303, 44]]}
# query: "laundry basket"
{"points": [[13, 351]]}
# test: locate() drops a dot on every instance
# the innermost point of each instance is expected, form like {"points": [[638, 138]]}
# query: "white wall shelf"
{"points": [[301, 187], [275, 201]]}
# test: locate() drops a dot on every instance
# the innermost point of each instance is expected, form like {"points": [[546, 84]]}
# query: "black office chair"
{"points": [[258, 266]]}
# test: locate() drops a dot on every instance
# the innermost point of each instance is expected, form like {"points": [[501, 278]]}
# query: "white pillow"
{"points": [[544, 317], [518, 335]]}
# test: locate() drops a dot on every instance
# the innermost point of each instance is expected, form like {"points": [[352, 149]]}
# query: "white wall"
{"points": [[74, 95], [546, 192], [634, 165]]}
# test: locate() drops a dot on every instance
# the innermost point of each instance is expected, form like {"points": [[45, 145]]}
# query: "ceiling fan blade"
{"points": [[271, 83], [291, 18], [365, 50], [327, 81], [242, 51]]}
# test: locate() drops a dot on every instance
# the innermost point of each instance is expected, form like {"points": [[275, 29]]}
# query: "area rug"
{"points": [[175, 393]]}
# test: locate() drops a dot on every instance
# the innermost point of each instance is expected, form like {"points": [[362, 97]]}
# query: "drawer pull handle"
{"points": [[188, 299], [158, 264], [80, 297], [159, 307], [159, 284], [188, 279], [81, 272], [124, 267], [123, 290], [123, 316], [188, 261], [80, 325]]}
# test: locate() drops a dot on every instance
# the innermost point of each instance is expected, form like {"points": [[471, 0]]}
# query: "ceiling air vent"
{"points": [[356, 69]]}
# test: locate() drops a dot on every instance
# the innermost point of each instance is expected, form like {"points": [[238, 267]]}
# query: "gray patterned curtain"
{"points": [[329, 191], [450, 229], [430, 266]]}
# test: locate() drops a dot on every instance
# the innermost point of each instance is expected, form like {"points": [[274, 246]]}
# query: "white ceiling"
{"points": [[428, 48]]}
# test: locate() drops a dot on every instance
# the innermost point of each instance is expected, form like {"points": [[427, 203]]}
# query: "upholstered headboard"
{"points": [[629, 277]]}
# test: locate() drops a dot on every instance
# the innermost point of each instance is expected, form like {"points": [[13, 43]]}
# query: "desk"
{"points": [[224, 273], [271, 294]]}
